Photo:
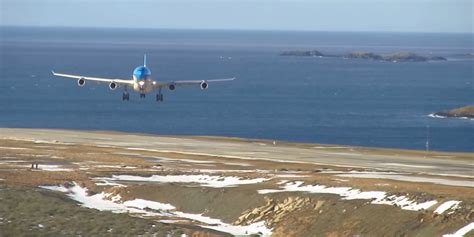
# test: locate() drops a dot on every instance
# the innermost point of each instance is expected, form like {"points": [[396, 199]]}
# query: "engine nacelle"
{"points": [[172, 87], [113, 85], [204, 85], [81, 82]]}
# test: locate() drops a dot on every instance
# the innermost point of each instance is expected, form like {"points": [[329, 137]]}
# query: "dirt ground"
{"points": [[26, 209]]}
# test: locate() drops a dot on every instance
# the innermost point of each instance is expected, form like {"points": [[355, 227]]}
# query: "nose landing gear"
{"points": [[142, 95]]}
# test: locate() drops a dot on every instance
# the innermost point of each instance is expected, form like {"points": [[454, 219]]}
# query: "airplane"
{"points": [[141, 82]]}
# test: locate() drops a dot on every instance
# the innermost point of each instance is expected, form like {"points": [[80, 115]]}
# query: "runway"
{"points": [[415, 162]]}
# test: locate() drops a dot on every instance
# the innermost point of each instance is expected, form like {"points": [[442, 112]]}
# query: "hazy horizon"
{"points": [[437, 16], [230, 30]]}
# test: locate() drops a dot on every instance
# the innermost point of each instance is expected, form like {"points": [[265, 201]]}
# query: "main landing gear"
{"points": [[125, 96], [159, 96], [142, 95]]}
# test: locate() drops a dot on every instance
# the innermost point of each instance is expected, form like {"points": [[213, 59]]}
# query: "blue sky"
{"points": [[311, 15]]}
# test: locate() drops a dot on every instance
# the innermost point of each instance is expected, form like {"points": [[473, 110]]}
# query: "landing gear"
{"points": [[142, 95], [159, 96], [125, 96]]}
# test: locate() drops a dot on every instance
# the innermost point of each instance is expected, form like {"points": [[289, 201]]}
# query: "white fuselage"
{"points": [[142, 82], [143, 86]]}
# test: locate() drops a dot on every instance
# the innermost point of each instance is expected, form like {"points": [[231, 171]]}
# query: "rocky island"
{"points": [[307, 53], [396, 57], [463, 112]]}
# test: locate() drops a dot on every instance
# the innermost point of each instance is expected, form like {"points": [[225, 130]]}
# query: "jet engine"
{"points": [[172, 87], [113, 85], [204, 85], [81, 82]]}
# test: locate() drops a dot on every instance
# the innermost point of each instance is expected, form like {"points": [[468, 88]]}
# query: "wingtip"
{"points": [[52, 71]]}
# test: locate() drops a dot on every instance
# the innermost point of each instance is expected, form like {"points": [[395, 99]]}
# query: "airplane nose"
{"points": [[141, 84]]}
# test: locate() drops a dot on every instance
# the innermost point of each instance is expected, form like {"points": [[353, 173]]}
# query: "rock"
{"points": [[463, 112], [272, 212], [305, 53], [318, 205], [364, 55], [404, 57]]}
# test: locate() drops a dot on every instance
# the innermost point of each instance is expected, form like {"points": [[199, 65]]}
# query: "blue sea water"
{"points": [[309, 99]]}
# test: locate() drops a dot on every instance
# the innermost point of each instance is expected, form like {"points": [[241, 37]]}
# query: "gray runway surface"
{"points": [[435, 164]]}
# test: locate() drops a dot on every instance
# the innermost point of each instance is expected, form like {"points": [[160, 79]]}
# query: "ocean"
{"points": [[301, 99]]}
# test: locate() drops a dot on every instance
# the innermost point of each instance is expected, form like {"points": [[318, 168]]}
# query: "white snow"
{"points": [[446, 206], [216, 224], [204, 180], [107, 202], [52, 168], [107, 183], [142, 204], [97, 201], [461, 232], [407, 178], [348, 193]]}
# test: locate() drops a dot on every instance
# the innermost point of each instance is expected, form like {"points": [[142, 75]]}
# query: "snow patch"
{"points": [[107, 183], [204, 180], [52, 168], [446, 206], [347, 193], [461, 232], [236, 230], [142, 204]]}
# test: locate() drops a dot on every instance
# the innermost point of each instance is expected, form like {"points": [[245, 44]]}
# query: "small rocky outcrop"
{"points": [[305, 53], [364, 55], [410, 57], [463, 112], [273, 212]]}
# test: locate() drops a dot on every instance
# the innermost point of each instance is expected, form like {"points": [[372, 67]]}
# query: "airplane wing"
{"points": [[190, 82], [97, 79]]}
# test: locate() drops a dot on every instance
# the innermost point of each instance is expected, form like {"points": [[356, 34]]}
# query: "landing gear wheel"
{"points": [[159, 97], [125, 96], [142, 95]]}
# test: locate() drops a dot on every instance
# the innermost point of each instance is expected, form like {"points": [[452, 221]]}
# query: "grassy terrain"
{"points": [[37, 212]]}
